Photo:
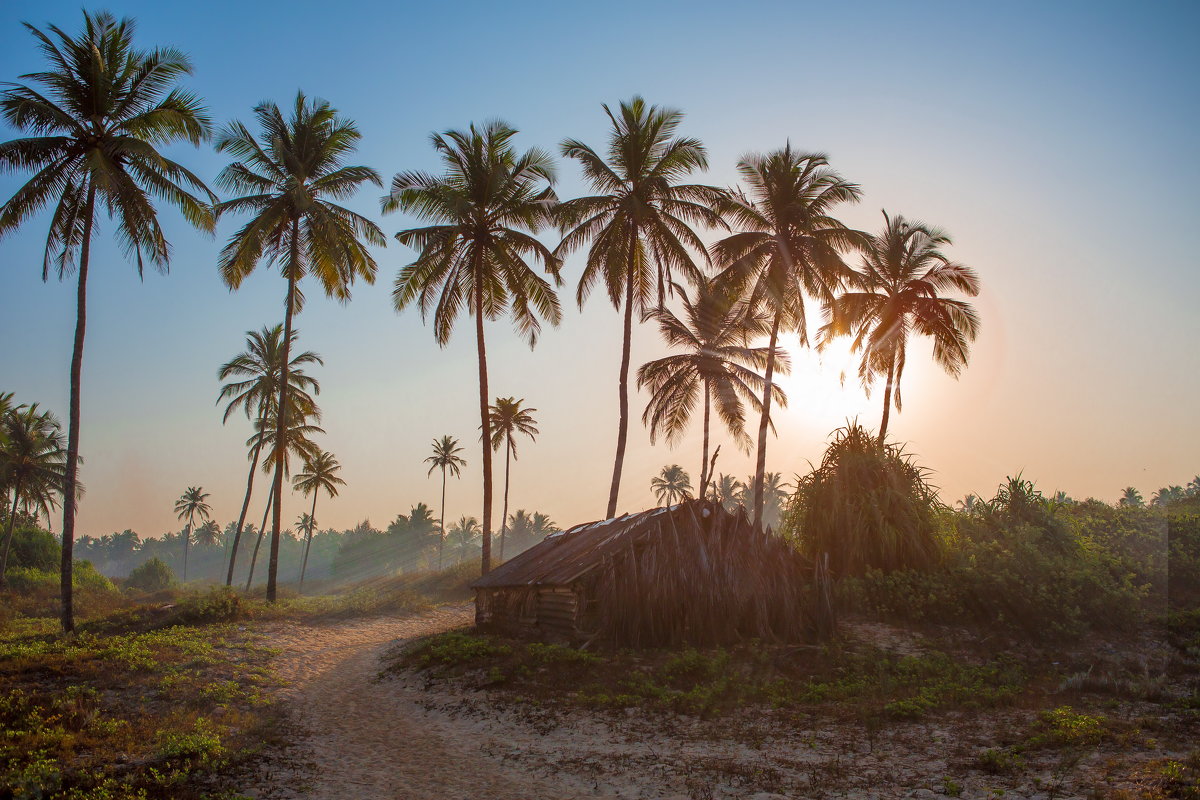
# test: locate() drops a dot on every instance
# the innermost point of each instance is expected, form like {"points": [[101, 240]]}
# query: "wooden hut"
{"points": [[691, 573]]}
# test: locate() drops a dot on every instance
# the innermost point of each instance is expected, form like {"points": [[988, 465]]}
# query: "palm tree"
{"points": [[968, 504], [775, 494], [671, 485], [507, 418], [1131, 498], [445, 457], [255, 388], [716, 363], [320, 472], [191, 503], [95, 124], [299, 444], [305, 524], [289, 179], [462, 537], [207, 534], [1167, 495], [897, 293], [786, 247], [1193, 487], [640, 212], [32, 464], [476, 254], [729, 491]]}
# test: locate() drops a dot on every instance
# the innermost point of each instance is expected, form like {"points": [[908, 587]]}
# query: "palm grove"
{"points": [[95, 122]]}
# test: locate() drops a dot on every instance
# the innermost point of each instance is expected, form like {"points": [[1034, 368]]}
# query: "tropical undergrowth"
{"points": [[131, 707], [838, 679], [1021, 563]]}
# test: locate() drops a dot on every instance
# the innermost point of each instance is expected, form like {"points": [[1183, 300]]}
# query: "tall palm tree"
{"points": [[484, 208], [320, 472], [671, 485], [445, 457], [289, 178], [306, 525], [899, 292], [640, 214], [716, 363], [95, 124], [299, 444], [33, 459], [191, 503], [787, 246], [255, 389], [507, 418]]}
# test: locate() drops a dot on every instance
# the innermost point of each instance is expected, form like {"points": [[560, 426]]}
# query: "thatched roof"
{"points": [[690, 573], [565, 556]]}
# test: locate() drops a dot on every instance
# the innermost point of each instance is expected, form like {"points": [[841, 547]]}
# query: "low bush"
{"points": [[867, 506], [151, 576]]}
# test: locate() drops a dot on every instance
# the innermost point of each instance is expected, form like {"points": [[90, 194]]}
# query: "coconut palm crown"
{"points": [[475, 256], [640, 224], [289, 179], [508, 418], [716, 365], [254, 388], [899, 292], [786, 248]]}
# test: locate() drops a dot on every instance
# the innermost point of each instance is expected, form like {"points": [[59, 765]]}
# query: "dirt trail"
{"points": [[357, 737]]}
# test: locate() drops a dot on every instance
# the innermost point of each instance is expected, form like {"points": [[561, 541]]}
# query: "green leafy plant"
{"points": [[867, 506]]}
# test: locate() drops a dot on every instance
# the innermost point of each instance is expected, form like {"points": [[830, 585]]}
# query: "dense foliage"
{"points": [[867, 506]]}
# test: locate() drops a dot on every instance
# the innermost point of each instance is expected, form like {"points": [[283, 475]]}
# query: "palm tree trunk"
{"points": [[187, 534], [764, 422], [262, 530], [485, 424], [887, 398], [704, 460], [504, 518], [237, 536], [71, 478], [623, 384], [442, 521], [12, 518], [312, 523], [281, 435]]}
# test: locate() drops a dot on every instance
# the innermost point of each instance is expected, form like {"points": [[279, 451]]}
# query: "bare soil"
{"points": [[356, 735]]}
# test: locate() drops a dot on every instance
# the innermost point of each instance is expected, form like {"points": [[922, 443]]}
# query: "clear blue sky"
{"points": [[1057, 143]]}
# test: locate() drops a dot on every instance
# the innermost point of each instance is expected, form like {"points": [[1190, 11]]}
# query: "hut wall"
{"points": [[556, 611], [513, 610]]}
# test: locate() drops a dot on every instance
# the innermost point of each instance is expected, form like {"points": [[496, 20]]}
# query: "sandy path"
{"points": [[357, 737]]}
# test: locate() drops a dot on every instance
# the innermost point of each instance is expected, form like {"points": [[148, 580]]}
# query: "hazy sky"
{"points": [[1056, 142]]}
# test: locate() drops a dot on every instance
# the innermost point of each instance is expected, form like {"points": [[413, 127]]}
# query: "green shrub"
{"points": [[30, 580], [1026, 565], [34, 547], [151, 576], [868, 506]]}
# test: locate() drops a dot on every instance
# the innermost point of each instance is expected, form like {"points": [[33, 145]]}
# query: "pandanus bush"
{"points": [[867, 506]]}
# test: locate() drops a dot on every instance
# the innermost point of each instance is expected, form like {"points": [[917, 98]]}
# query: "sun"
{"points": [[824, 385]]}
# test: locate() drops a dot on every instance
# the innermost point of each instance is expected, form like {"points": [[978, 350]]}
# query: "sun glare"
{"points": [[824, 384]]}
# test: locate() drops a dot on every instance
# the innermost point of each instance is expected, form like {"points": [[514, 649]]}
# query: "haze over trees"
{"points": [[779, 250]]}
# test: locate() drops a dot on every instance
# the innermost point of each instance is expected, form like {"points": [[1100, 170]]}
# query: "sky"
{"points": [[1055, 142]]}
